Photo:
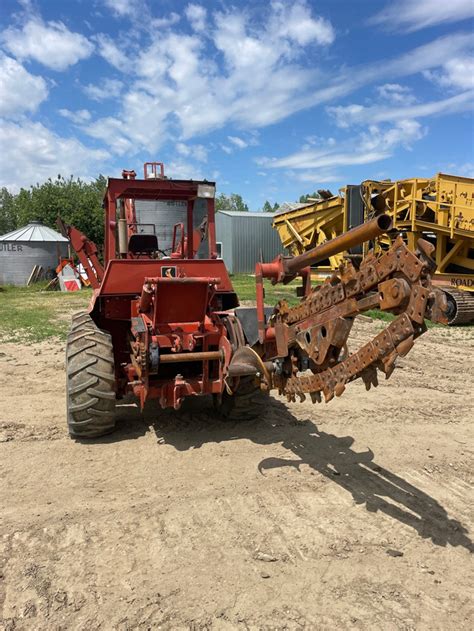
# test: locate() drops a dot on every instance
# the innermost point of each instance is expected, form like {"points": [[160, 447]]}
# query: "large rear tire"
{"points": [[90, 379]]}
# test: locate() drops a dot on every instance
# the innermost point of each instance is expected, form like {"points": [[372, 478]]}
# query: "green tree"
{"points": [[77, 202], [268, 208], [231, 202], [8, 219], [304, 198]]}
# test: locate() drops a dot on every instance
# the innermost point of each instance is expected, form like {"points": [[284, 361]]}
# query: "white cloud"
{"points": [[312, 140], [106, 89], [316, 160], [196, 15], [414, 15], [32, 153], [182, 170], [203, 89], [423, 59], [243, 73], [355, 114], [198, 152], [51, 44], [396, 93], [251, 140], [121, 7], [316, 177], [141, 125], [466, 169], [456, 73], [165, 22], [26, 4], [377, 143], [111, 131], [404, 133], [79, 116], [296, 22], [238, 142], [109, 50], [140, 15], [145, 122], [20, 91], [420, 59], [347, 115]]}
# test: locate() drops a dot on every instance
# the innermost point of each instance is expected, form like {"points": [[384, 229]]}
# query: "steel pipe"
{"points": [[358, 235], [198, 356], [242, 370]]}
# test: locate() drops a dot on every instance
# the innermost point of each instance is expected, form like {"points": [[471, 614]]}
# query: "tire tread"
{"points": [[90, 379]]}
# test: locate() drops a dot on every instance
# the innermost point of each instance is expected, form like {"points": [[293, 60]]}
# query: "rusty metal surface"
{"points": [[246, 361], [460, 305], [174, 358], [365, 232], [316, 331]]}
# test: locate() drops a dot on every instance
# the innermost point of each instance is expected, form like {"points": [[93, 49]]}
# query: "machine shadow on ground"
{"points": [[370, 484]]}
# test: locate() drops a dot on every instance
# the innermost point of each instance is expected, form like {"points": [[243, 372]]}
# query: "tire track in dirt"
{"points": [[176, 520]]}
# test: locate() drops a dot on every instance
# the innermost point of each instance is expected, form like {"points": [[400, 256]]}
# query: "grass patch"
{"points": [[29, 314], [244, 285], [380, 315]]}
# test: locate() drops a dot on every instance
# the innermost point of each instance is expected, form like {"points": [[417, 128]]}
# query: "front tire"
{"points": [[90, 378]]}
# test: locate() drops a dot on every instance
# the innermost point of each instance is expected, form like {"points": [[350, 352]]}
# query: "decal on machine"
{"points": [[168, 271]]}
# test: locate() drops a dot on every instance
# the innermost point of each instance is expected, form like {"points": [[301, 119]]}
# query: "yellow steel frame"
{"points": [[442, 206]]}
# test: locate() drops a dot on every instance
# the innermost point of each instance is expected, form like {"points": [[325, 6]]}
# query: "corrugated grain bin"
{"points": [[242, 236], [26, 247]]}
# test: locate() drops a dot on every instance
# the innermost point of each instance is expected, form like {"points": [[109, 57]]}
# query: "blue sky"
{"points": [[270, 99]]}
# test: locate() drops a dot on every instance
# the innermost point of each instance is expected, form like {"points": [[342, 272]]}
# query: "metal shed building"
{"points": [[22, 249], [241, 236]]}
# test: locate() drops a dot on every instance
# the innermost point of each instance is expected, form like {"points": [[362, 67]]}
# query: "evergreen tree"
{"points": [[304, 198]]}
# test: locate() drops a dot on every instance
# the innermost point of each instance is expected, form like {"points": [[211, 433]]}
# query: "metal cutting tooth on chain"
{"points": [[395, 281]]}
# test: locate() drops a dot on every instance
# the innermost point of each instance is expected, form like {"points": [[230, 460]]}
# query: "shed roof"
{"points": [[240, 213], [34, 231]]}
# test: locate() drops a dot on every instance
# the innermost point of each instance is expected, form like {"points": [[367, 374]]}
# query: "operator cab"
{"points": [[158, 217], [161, 228]]}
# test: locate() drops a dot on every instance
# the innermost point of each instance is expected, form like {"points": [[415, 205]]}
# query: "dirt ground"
{"points": [[351, 515]]}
